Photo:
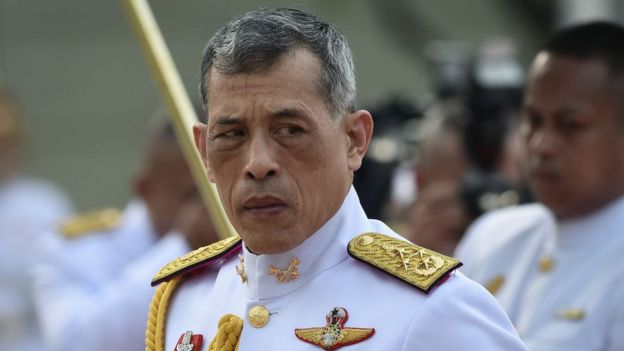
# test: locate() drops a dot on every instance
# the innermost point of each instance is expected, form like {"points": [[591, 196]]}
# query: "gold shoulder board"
{"points": [[202, 256], [90, 222], [411, 263]]}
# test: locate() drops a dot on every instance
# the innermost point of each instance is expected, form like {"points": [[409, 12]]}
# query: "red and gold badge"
{"points": [[189, 342]]}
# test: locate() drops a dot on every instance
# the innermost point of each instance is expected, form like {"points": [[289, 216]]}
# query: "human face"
{"points": [[442, 159], [165, 185], [281, 164], [574, 135]]}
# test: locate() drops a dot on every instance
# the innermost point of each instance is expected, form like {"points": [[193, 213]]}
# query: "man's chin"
{"points": [[559, 205], [264, 237], [263, 245]]}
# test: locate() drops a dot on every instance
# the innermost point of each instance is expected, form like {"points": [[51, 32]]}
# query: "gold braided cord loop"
{"points": [[150, 331], [155, 331], [228, 334]]}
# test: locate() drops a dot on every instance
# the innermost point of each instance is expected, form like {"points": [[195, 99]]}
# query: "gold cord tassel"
{"points": [[228, 334]]}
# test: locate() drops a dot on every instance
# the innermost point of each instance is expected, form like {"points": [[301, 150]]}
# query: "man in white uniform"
{"points": [[282, 142], [556, 266], [91, 278], [28, 207]]}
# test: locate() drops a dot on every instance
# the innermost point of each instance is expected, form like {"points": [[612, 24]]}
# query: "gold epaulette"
{"points": [[411, 263], [90, 222], [202, 256]]}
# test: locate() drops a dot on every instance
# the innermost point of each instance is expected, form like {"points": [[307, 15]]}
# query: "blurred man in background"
{"points": [[92, 280], [438, 217], [466, 162], [27, 208], [556, 266], [461, 158]]}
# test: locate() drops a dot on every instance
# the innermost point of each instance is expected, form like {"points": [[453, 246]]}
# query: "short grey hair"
{"points": [[255, 41]]}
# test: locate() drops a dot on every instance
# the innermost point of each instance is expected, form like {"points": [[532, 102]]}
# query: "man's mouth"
{"points": [[545, 176], [543, 171], [264, 205]]}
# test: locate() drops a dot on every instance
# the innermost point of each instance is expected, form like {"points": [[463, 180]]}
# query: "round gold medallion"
{"points": [[258, 316], [365, 240]]}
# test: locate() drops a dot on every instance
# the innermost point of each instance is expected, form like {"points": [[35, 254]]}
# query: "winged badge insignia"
{"points": [[334, 334]]}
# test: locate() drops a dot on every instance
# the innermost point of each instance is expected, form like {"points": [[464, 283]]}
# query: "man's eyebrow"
{"points": [[287, 112], [227, 120], [291, 112], [568, 112]]}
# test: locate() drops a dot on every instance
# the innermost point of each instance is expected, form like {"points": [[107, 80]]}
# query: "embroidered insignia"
{"points": [[203, 256], [494, 285], [571, 314], [288, 274], [334, 334], [240, 269], [420, 267], [90, 222], [189, 342]]}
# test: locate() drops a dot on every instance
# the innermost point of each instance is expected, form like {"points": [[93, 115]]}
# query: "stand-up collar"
{"points": [[326, 248]]}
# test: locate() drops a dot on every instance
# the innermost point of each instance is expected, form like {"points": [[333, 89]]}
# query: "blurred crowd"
{"points": [[70, 279], [518, 172], [436, 165]]}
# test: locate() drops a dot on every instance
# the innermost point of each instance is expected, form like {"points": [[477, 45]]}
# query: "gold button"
{"points": [[572, 314], [494, 285], [546, 264], [258, 316], [365, 240]]}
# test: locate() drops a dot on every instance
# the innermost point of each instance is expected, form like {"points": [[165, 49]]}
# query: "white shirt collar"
{"points": [[321, 251], [595, 227]]}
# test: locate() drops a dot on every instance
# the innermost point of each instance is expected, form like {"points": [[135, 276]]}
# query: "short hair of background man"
{"points": [[601, 41]]}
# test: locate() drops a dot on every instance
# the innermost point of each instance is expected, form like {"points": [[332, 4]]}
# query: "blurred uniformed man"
{"points": [[91, 281], [28, 207], [311, 272], [556, 266]]}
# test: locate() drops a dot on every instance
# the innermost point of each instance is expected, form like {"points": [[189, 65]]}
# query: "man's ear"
{"points": [[141, 185], [200, 131], [359, 128]]}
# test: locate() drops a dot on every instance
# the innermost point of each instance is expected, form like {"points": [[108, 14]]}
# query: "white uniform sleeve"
{"points": [[77, 315], [461, 316]]}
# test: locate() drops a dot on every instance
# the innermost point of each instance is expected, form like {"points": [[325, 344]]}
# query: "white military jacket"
{"points": [[319, 277], [28, 207], [562, 283], [91, 291]]}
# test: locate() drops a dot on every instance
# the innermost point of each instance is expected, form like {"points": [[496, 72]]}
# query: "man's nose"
{"points": [[544, 143], [261, 160]]}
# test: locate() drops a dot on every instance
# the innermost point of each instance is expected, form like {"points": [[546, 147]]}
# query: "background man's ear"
{"points": [[140, 185], [359, 127]]}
